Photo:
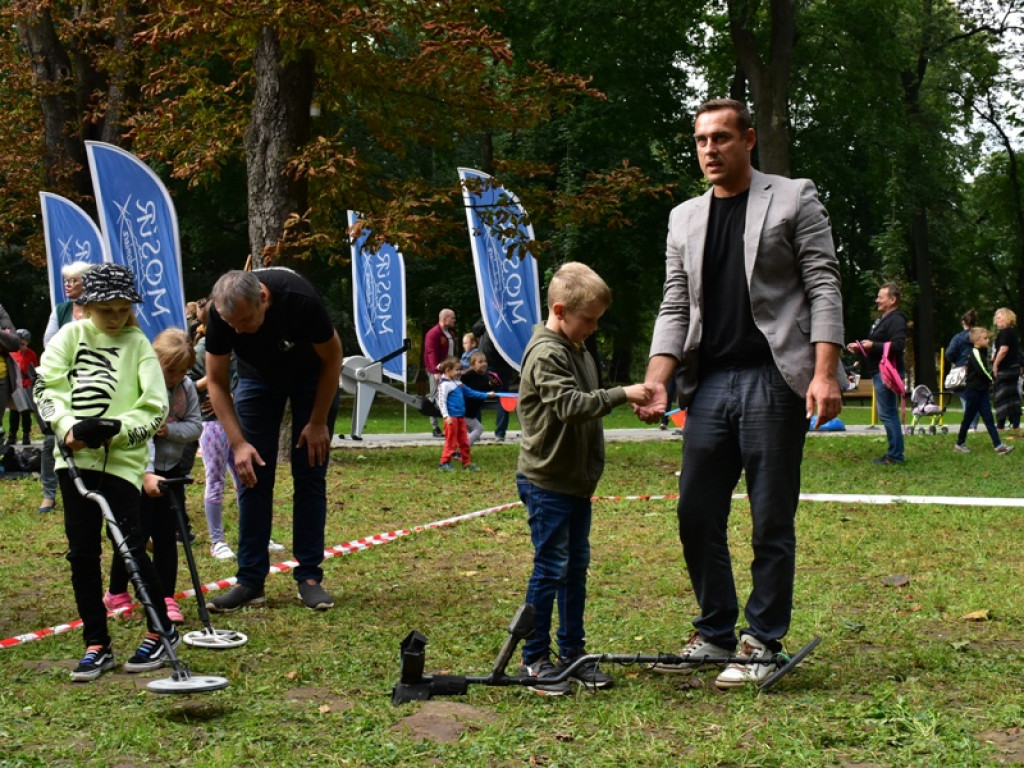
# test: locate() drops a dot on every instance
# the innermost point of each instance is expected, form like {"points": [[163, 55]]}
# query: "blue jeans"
{"points": [[260, 407], [742, 420], [976, 404], [888, 404], [560, 531]]}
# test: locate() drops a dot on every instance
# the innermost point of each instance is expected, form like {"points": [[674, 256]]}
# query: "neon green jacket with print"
{"points": [[85, 372]]}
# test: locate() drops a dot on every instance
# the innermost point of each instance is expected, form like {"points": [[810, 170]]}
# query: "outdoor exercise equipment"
{"points": [[364, 378], [207, 637], [95, 432], [413, 685]]}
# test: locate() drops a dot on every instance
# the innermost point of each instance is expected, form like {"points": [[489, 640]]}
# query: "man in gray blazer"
{"points": [[751, 325]]}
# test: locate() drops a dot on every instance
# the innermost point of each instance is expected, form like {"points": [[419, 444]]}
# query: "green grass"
{"points": [[900, 678]]}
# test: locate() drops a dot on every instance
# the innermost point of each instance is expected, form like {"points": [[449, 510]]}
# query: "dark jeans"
{"points": [[157, 521], [260, 407], [976, 404], [888, 404], [742, 420], [83, 522], [560, 531]]}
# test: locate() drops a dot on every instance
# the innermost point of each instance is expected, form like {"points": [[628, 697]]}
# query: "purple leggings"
{"points": [[217, 458]]}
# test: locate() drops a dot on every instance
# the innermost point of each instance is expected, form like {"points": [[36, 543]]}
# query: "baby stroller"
{"points": [[925, 407]]}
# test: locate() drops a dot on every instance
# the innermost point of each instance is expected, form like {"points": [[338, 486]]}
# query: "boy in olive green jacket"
{"points": [[561, 458]]}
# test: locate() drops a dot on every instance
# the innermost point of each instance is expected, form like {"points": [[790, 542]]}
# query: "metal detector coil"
{"points": [[207, 637], [415, 686]]}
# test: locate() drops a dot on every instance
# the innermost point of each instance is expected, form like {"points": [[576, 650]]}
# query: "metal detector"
{"points": [[95, 432], [415, 686], [208, 637]]}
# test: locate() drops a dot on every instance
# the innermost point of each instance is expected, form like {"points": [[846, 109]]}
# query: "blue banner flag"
{"points": [[140, 228], [71, 235], [378, 295], [506, 275]]}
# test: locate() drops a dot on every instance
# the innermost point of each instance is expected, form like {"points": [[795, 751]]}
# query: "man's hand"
{"points": [[824, 394], [245, 456], [317, 439]]}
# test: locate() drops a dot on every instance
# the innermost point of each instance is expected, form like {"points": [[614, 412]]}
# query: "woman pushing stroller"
{"points": [[105, 367]]}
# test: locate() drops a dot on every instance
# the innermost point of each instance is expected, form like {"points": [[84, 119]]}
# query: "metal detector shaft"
{"points": [[165, 486]]}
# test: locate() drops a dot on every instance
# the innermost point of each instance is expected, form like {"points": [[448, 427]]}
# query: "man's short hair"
{"points": [[233, 288], [576, 285], [894, 291], [743, 118]]}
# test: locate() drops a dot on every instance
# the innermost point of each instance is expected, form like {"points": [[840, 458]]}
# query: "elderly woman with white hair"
{"points": [[62, 314]]}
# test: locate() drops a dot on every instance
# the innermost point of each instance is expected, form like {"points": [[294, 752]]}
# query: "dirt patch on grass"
{"points": [[443, 722], [1009, 744]]}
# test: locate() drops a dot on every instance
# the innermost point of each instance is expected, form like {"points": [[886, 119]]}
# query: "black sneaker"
{"points": [[437, 432], [152, 654], [314, 596], [97, 660], [587, 674], [544, 668], [235, 598]]}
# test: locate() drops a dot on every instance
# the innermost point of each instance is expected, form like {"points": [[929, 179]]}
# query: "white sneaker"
{"points": [[958, 448], [1003, 448], [699, 651], [273, 546], [222, 551], [736, 675]]}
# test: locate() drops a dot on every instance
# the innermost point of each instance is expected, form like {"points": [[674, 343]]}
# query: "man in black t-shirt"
{"points": [[287, 350]]}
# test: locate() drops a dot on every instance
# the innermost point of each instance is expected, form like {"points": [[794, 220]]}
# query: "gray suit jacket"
{"points": [[792, 275]]}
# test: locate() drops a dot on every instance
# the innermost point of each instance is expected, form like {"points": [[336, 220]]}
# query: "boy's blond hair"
{"points": [[476, 355], [174, 349], [977, 333], [575, 285]]}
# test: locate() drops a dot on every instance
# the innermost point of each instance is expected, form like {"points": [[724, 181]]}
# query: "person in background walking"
{"points": [[959, 350], [1006, 369], [978, 383]]}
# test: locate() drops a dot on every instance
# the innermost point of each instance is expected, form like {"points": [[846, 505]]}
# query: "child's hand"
{"points": [[151, 485], [491, 395], [640, 394]]}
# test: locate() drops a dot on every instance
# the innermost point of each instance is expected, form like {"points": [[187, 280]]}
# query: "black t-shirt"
{"points": [[281, 351], [730, 337], [1010, 365]]}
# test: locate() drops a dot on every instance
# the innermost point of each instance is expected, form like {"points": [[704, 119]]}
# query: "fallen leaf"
{"points": [[564, 737], [324, 709], [292, 675], [469, 573], [982, 615]]}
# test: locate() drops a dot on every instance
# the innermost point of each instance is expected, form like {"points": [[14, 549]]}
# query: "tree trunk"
{"points": [[279, 124], [65, 152], [769, 80]]}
